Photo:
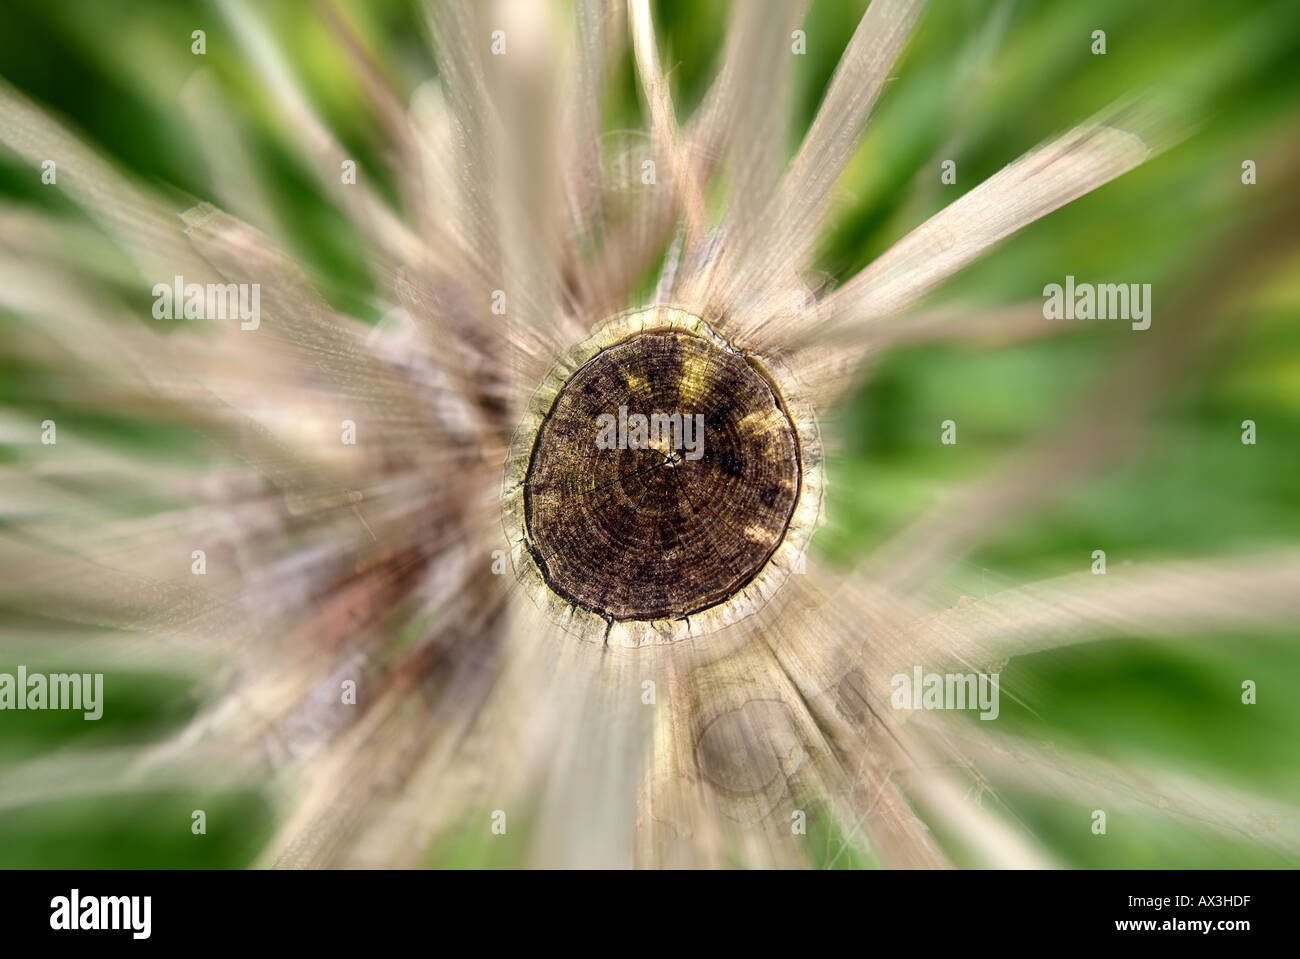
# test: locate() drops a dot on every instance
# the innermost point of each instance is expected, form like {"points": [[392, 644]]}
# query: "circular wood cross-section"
{"points": [[662, 479]]}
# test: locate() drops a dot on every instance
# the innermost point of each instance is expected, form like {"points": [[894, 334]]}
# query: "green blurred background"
{"points": [[983, 81]]}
